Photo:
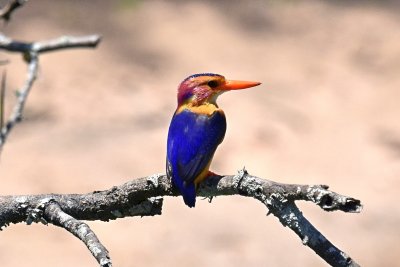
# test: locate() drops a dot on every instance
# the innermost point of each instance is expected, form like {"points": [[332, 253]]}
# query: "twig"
{"points": [[54, 214], [141, 197], [31, 53], [16, 115], [2, 95], [9, 8], [64, 42]]}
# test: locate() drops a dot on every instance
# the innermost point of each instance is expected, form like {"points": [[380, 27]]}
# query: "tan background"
{"points": [[327, 113]]}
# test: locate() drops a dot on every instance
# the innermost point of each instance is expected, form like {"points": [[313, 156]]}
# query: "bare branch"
{"points": [[31, 52], [16, 115], [141, 197], [9, 8], [54, 214], [290, 215], [104, 206], [64, 42], [2, 95], [279, 199]]}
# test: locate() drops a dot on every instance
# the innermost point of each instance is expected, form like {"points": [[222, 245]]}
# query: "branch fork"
{"points": [[31, 52]]}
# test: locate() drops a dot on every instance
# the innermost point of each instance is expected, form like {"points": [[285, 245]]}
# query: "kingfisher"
{"points": [[197, 127]]}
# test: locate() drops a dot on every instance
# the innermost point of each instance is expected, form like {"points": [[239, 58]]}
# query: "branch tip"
{"points": [[331, 201]]}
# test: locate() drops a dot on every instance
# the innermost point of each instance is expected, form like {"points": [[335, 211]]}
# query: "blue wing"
{"points": [[192, 141]]}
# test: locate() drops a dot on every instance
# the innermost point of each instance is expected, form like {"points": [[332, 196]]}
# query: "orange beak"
{"points": [[237, 85]]}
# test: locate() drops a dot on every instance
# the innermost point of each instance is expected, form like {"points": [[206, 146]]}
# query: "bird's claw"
{"points": [[210, 198]]}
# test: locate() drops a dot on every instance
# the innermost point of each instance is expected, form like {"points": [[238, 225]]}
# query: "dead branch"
{"points": [[31, 53], [9, 8], [64, 42], [142, 197], [79, 229], [2, 95]]}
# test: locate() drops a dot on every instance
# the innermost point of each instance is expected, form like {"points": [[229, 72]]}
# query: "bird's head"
{"points": [[204, 88]]}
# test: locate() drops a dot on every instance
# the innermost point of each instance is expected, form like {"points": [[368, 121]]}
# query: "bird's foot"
{"points": [[210, 198]]}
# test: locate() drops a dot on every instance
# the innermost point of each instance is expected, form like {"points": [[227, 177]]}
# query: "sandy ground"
{"points": [[327, 113]]}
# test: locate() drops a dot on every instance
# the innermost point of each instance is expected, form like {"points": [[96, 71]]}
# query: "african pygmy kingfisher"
{"points": [[197, 128]]}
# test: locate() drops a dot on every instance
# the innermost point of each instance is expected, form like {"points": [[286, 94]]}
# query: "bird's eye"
{"points": [[212, 84]]}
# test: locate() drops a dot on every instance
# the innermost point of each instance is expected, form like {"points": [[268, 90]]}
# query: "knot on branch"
{"points": [[238, 178], [275, 201], [37, 214], [153, 180]]}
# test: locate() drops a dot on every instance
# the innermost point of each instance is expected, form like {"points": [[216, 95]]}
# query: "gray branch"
{"points": [[81, 230], [31, 53], [64, 42], [9, 8], [16, 115], [143, 197]]}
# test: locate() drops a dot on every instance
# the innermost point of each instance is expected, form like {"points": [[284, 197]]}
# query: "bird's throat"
{"points": [[205, 108]]}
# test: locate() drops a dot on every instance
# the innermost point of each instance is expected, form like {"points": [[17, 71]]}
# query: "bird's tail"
{"points": [[189, 194]]}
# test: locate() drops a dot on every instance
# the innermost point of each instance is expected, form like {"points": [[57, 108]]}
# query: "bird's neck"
{"points": [[205, 108]]}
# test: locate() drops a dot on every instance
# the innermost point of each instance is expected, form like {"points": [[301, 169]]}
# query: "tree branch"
{"points": [[31, 53], [2, 95], [142, 197], [9, 8], [90, 41], [81, 230], [16, 115]]}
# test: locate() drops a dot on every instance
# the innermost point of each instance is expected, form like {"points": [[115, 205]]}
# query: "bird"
{"points": [[197, 128]]}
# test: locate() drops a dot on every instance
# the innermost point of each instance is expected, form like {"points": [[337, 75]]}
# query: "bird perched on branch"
{"points": [[197, 128]]}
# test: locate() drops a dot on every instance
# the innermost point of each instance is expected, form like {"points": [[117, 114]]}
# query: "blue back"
{"points": [[192, 141]]}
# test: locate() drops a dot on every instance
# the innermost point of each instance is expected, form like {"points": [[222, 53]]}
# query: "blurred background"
{"points": [[327, 113]]}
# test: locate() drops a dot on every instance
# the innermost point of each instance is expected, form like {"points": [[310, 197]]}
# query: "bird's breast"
{"points": [[191, 132]]}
